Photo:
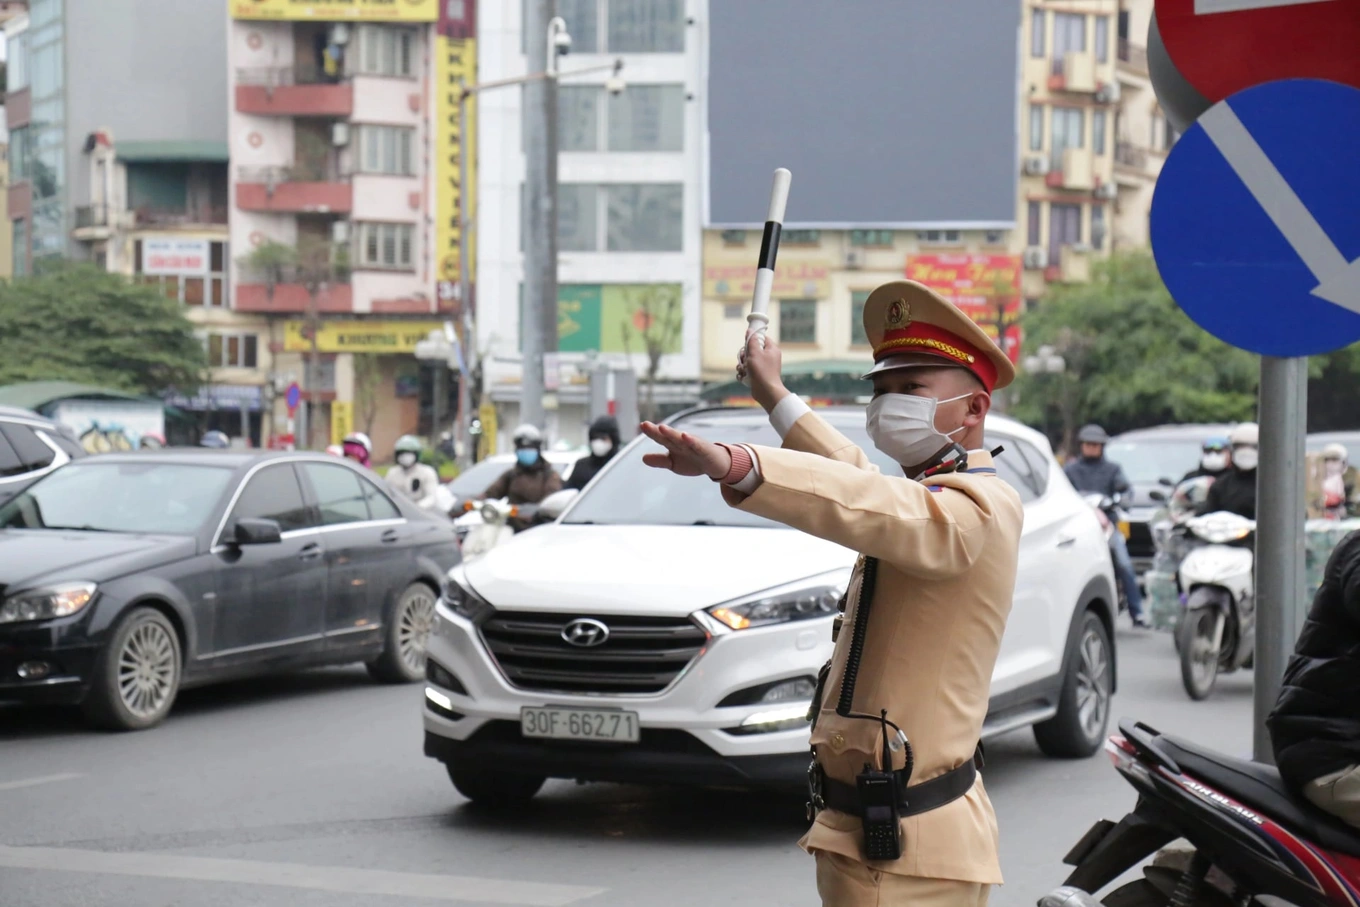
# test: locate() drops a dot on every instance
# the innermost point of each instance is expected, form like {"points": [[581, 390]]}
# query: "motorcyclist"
{"points": [[1338, 483], [1214, 460], [215, 439], [604, 443], [358, 447], [1091, 473], [530, 480], [1235, 490], [411, 478]]}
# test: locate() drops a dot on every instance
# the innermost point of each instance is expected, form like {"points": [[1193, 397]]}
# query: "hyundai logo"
{"points": [[585, 632]]}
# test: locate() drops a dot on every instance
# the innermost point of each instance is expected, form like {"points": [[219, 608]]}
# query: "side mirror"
{"points": [[1167, 482], [1157, 495], [257, 532], [552, 506]]}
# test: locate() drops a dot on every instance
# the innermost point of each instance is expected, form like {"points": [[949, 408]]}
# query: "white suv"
{"points": [[602, 647]]}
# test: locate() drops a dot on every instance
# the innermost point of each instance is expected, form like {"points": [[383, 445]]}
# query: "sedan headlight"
{"points": [[460, 598], [61, 600], [804, 600]]}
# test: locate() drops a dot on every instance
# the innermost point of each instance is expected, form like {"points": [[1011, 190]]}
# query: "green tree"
{"points": [[1133, 358], [79, 323], [657, 321]]}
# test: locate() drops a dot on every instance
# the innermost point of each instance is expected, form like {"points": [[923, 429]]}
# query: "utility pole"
{"points": [[538, 325]]}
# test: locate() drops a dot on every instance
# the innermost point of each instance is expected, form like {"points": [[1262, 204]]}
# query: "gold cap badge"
{"points": [[899, 314]]}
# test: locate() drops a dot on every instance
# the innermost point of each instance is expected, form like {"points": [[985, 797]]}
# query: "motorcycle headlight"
{"points": [[490, 513], [1220, 529], [805, 600], [60, 600], [461, 600]]}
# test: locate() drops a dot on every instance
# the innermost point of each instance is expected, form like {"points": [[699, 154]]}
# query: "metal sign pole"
{"points": [[1280, 514]]}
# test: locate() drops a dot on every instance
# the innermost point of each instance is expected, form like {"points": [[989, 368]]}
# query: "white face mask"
{"points": [[903, 427], [406, 460], [1214, 462], [1246, 458], [1335, 467], [601, 446]]}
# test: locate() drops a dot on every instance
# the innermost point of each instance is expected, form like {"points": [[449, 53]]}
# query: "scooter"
{"points": [[1217, 630], [1112, 519], [1250, 841], [486, 525]]}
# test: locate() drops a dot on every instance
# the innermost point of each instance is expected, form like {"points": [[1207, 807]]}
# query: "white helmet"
{"points": [[358, 437], [1247, 433], [1335, 451], [528, 436]]}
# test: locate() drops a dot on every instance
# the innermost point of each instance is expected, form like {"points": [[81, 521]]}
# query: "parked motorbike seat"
{"points": [[1260, 787]]}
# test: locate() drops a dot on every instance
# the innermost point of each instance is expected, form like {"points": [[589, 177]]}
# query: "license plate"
{"points": [[607, 725]]}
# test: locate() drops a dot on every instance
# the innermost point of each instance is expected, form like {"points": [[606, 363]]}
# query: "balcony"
{"points": [[1073, 265], [94, 222], [294, 190], [1071, 168], [1132, 57], [293, 298], [1074, 71], [292, 91], [146, 216]]}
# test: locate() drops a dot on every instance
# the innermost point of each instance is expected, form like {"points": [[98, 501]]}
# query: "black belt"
{"points": [[913, 800]]}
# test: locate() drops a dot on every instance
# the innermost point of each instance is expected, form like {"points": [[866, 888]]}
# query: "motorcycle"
{"points": [[1250, 841], [1217, 628], [1112, 519], [486, 524]]}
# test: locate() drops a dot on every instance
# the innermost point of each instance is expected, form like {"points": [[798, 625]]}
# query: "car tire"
{"points": [[1078, 730], [405, 636], [137, 674], [493, 788]]}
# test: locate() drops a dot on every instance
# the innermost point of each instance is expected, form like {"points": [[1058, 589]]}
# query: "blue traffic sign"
{"points": [[294, 396], [1256, 218]]}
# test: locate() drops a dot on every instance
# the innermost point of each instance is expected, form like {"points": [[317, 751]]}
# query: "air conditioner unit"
{"points": [[1036, 165], [1108, 94], [339, 33], [340, 134], [340, 231], [1036, 257], [854, 258], [1107, 191]]}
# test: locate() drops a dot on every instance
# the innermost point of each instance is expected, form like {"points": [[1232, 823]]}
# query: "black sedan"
{"points": [[127, 577]]}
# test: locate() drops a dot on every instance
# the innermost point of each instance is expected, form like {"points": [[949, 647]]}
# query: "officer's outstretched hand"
{"points": [[686, 454], [761, 359]]}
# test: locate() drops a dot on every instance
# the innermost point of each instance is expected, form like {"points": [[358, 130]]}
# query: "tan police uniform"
{"points": [[947, 550]]}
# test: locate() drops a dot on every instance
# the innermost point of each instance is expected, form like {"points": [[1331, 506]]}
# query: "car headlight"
{"points": [[61, 600], [461, 600], [804, 600]]}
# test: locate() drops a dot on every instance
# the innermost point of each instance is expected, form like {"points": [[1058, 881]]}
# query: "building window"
{"points": [[800, 237], [1098, 131], [938, 237], [188, 289], [1036, 33], [386, 50], [645, 217], [1036, 127], [646, 26], [871, 237], [386, 149], [578, 217], [734, 312], [583, 24], [1034, 225], [17, 68], [1069, 34], [647, 118], [19, 163], [858, 336], [798, 321], [1097, 226], [233, 350], [1164, 135], [1064, 229], [578, 117], [1102, 39], [734, 237], [386, 246], [1068, 128], [994, 237], [20, 247]]}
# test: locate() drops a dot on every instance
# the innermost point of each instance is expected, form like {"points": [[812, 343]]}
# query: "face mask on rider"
{"points": [[406, 459], [903, 426], [1213, 461], [1245, 458], [1334, 468], [601, 447], [527, 456]]}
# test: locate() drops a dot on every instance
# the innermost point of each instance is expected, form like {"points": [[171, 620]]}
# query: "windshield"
{"points": [[635, 494], [1148, 462], [162, 498]]}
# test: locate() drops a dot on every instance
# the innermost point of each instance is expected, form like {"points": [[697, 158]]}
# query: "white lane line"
{"points": [[34, 782], [337, 879], [1209, 7]]}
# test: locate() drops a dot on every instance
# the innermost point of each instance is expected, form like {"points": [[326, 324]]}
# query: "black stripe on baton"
{"points": [[769, 245]]}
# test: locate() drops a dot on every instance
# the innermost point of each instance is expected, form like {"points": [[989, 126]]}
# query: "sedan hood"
{"points": [[662, 570], [30, 557]]}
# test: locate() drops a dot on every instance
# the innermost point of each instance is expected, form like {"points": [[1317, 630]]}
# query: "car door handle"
{"points": [[1066, 541], [390, 535], [310, 552]]}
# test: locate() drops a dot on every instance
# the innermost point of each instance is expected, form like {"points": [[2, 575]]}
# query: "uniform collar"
{"points": [[980, 461]]}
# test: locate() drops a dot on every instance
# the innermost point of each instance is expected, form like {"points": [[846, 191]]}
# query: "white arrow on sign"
{"points": [[1338, 279], [1209, 7]]}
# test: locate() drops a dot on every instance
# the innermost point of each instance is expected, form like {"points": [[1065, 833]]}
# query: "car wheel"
{"points": [[492, 787], [136, 676], [1078, 730], [405, 637]]}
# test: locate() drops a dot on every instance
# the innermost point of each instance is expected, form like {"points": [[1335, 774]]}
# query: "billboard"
{"points": [[794, 278], [986, 287], [618, 317], [338, 10], [168, 256], [359, 336], [455, 66]]}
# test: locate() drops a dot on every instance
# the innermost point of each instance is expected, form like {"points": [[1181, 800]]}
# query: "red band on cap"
{"points": [[922, 337]]}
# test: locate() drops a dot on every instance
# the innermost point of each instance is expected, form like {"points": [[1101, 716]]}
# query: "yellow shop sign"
{"points": [[359, 336], [333, 10]]}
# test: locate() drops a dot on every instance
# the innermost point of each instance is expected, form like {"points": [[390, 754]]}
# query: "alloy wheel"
{"points": [[414, 624], [146, 670], [1093, 684]]}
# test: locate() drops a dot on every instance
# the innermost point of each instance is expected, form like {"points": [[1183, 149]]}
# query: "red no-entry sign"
{"points": [[1224, 46]]}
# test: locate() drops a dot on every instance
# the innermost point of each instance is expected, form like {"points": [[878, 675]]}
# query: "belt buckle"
{"points": [[816, 803]]}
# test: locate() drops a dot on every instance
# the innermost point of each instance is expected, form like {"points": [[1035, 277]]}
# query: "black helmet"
{"points": [[1093, 434]]}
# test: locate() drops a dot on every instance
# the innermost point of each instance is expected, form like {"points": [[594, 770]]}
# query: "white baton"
{"points": [[759, 320]]}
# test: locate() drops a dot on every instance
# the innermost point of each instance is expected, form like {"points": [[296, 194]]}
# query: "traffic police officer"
{"points": [[938, 547]]}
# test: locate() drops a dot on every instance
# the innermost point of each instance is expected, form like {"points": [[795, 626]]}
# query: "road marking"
{"points": [[337, 879], [1338, 279], [34, 782], [1209, 7]]}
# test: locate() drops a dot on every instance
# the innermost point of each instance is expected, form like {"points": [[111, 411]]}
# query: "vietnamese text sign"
{"points": [[342, 420], [456, 65], [332, 10], [167, 256], [985, 287], [794, 278], [359, 336]]}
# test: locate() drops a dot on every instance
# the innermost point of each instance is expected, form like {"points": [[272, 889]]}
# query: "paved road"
{"points": [[311, 790]]}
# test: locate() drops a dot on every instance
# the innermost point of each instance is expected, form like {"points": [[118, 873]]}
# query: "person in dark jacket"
{"points": [[530, 480], [1235, 490], [1091, 473], [1315, 727], [604, 443]]}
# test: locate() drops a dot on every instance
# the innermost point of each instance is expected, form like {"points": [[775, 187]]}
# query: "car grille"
{"points": [[640, 655], [1140, 542]]}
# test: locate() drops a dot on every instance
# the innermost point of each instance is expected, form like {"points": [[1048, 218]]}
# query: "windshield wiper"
{"points": [[703, 523]]}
